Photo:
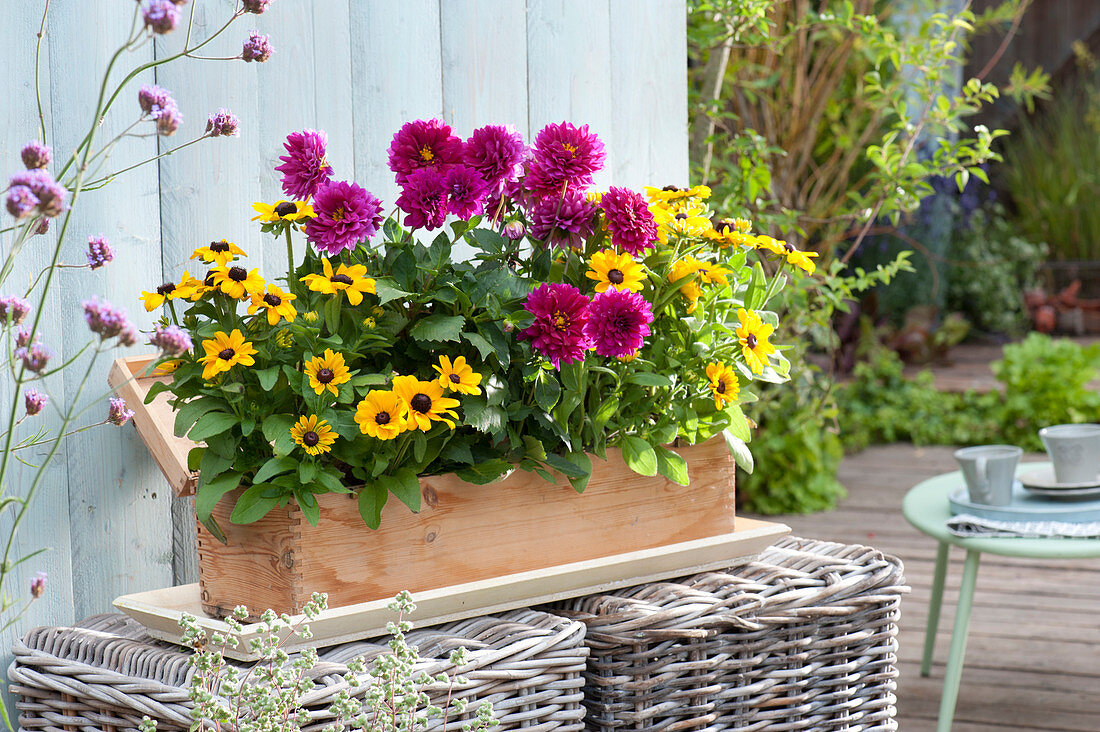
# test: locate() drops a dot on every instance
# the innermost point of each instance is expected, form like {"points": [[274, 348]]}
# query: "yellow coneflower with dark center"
{"points": [[283, 211], [753, 334], [458, 375], [167, 291], [237, 282], [224, 351], [313, 435], [771, 244], [382, 414], [682, 223], [799, 259], [425, 401], [612, 269], [350, 280], [276, 303], [219, 252], [327, 372], [690, 289], [723, 384], [675, 193], [729, 232]]}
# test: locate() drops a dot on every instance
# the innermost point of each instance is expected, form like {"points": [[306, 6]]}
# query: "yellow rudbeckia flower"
{"points": [[219, 252], [327, 372], [675, 193], [723, 384], [313, 435], [753, 334], [686, 224], [237, 282], [381, 414], [457, 376], [425, 401], [283, 211], [612, 269], [277, 304], [730, 232], [350, 280], [224, 351], [690, 289]]}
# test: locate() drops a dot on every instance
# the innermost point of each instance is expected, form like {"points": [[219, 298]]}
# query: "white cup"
{"points": [[1075, 451], [990, 471]]}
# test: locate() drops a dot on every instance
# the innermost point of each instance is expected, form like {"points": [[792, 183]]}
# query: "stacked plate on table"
{"points": [[1042, 482]]}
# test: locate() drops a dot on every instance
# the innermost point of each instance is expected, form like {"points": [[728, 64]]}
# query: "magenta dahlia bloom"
{"points": [[466, 191], [558, 333], [423, 144], [563, 221], [424, 199], [346, 215], [564, 156], [305, 168], [618, 322], [34, 401], [36, 155], [629, 220], [494, 151]]}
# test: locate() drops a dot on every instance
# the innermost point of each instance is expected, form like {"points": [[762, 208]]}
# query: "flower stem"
{"points": [[289, 259], [38, 72]]}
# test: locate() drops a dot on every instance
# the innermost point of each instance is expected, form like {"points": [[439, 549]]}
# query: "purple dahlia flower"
{"points": [[36, 155], [14, 307], [171, 340], [561, 312], [161, 16], [223, 124], [423, 144], [34, 401], [117, 413], [346, 215], [563, 221], [257, 48], [514, 230], [305, 167], [632, 226], [564, 156], [494, 151], [618, 322], [51, 195], [424, 199], [465, 191], [99, 252]]}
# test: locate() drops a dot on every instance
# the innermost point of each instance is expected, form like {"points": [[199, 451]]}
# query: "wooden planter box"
{"points": [[464, 533]]}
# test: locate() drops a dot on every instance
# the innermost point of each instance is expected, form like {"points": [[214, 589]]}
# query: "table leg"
{"points": [[953, 674], [934, 605]]}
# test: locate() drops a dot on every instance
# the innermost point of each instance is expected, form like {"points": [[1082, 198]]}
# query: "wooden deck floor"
{"points": [[1033, 657]]}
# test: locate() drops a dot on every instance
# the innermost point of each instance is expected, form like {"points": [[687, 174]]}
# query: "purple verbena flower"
{"points": [[36, 155], [51, 195], [514, 230], [557, 333], [34, 401], [305, 168], [128, 336], [38, 584], [563, 221], [14, 307], [564, 157], [161, 16], [424, 199], [465, 191], [34, 357], [423, 144], [618, 322], [43, 227], [117, 413], [257, 48], [104, 319], [255, 6], [223, 124], [632, 226], [494, 151], [346, 215], [99, 252], [171, 340], [169, 120], [23, 337], [21, 201], [153, 98]]}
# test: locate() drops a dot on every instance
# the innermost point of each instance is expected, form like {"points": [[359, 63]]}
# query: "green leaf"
{"points": [[191, 411], [307, 471], [277, 431], [308, 505], [438, 328], [565, 466], [332, 313], [582, 461], [485, 471], [484, 347], [639, 455], [671, 465], [274, 466], [158, 387], [484, 418], [406, 486], [268, 377], [571, 377], [547, 391], [253, 505], [739, 424], [387, 291], [213, 463], [420, 445], [372, 498], [210, 424], [740, 452], [207, 496], [647, 378]]}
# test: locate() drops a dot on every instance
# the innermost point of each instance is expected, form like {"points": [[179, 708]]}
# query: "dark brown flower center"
{"points": [[382, 418], [722, 226], [615, 276], [421, 403], [681, 216], [455, 379], [209, 279], [343, 279], [226, 354], [324, 375], [273, 300], [219, 246], [166, 289], [238, 274], [671, 189], [789, 247], [285, 209], [720, 387], [310, 438], [750, 340]]}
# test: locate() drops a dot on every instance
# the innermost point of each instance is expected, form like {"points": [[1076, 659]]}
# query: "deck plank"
{"points": [[1034, 637]]}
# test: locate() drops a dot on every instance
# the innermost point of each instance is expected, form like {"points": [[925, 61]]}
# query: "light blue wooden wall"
{"points": [[355, 68]]}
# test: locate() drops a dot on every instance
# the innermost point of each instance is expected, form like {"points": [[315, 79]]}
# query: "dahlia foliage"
{"points": [[584, 320]]}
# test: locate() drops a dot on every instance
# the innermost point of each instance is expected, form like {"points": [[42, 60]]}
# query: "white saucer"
{"points": [[1043, 480]]}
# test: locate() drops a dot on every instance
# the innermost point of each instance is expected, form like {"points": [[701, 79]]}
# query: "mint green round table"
{"points": [[926, 508]]}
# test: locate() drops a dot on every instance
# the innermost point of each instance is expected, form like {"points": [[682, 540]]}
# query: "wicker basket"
{"points": [[802, 638], [106, 673]]}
